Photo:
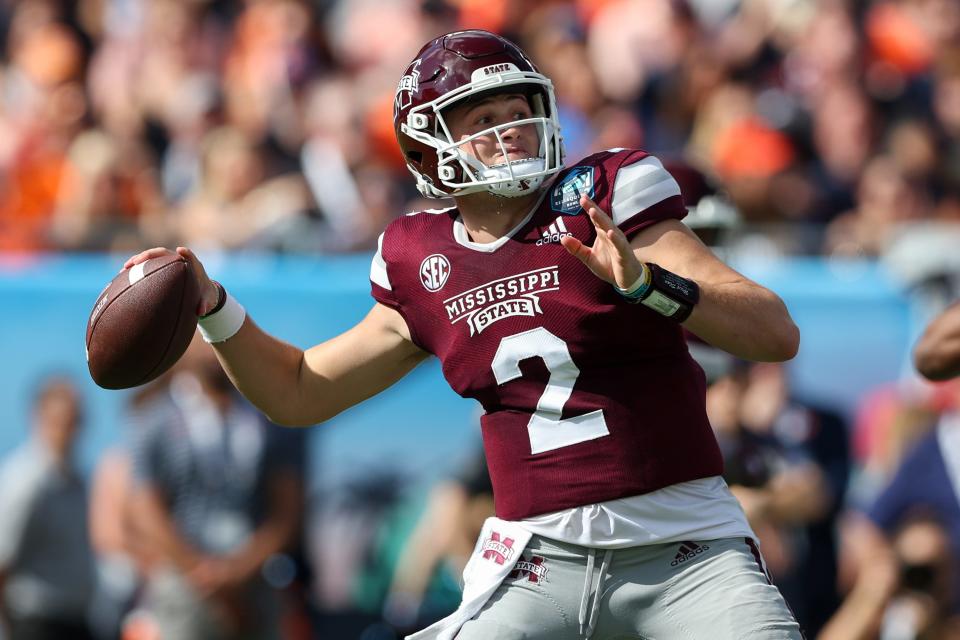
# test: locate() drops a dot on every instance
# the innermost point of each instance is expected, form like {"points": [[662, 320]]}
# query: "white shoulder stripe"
{"points": [[378, 267], [430, 211], [639, 186]]}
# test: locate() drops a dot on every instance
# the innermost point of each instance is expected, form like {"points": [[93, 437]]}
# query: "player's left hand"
{"points": [[611, 257]]}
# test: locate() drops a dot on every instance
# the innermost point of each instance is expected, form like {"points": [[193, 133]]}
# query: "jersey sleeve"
{"points": [[644, 193], [380, 286]]}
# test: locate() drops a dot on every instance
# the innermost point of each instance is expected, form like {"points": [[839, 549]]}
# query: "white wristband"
{"points": [[223, 324], [638, 289]]}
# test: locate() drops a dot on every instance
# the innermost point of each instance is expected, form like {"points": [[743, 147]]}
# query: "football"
{"points": [[142, 322]]}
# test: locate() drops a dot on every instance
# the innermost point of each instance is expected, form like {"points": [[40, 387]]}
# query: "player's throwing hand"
{"points": [[209, 293], [611, 257]]}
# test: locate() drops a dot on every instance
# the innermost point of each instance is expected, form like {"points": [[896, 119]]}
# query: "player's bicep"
{"points": [[359, 363]]}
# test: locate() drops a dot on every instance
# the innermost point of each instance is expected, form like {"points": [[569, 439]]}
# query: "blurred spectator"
{"points": [[219, 497], [46, 572], [437, 549], [889, 421], [347, 527], [903, 590], [111, 198], [788, 464], [43, 108], [234, 204], [886, 197], [120, 555], [110, 108], [922, 499]]}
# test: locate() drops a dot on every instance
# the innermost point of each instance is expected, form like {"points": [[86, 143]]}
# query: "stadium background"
{"points": [[259, 133]]}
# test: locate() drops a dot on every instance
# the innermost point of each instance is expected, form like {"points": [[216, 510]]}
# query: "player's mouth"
{"points": [[513, 153]]}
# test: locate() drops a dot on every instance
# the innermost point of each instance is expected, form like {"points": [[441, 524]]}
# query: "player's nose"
{"points": [[511, 133]]}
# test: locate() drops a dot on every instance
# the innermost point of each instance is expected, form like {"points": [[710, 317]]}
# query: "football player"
{"points": [[555, 295]]}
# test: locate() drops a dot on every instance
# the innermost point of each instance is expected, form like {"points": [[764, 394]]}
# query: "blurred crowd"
{"points": [[832, 127], [267, 124]]}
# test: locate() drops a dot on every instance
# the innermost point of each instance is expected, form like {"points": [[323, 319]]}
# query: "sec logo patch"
{"points": [[434, 271]]}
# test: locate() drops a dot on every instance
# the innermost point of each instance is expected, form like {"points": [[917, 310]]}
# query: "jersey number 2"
{"points": [[547, 431]]}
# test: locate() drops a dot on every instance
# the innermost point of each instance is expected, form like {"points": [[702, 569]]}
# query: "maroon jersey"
{"points": [[587, 398]]}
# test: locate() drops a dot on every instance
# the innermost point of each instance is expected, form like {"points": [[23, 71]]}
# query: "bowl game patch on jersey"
{"points": [[565, 196]]}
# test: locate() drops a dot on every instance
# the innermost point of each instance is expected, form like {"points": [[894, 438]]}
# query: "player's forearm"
{"points": [[745, 320], [266, 371], [937, 354], [296, 388], [732, 313]]}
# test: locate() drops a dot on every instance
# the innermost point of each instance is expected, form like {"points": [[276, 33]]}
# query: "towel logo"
{"points": [[533, 569], [496, 549]]}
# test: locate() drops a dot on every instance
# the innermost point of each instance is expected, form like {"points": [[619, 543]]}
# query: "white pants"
{"points": [[705, 589]]}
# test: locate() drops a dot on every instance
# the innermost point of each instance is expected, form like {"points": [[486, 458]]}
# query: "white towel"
{"points": [[497, 551]]}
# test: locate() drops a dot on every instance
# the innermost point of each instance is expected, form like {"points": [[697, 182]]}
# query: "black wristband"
{"points": [[670, 295], [221, 299]]}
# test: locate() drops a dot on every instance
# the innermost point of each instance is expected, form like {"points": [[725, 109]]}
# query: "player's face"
{"points": [[519, 142]]}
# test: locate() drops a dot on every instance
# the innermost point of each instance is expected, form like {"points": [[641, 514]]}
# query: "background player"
{"points": [[595, 429]]}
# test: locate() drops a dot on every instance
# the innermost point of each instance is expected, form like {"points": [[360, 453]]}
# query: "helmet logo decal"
{"points": [[493, 69], [565, 196], [434, 271], [407, 86]]}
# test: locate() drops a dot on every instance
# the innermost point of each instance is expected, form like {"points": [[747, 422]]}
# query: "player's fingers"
{"points": [[143, 256], [209, 294], [193, 261], [627, 269], [576, 248], [597, 215], [620, 242]]}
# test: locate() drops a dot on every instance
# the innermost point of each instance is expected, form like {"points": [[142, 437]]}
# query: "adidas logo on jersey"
{"points": [[688, 551], [554, 232]]}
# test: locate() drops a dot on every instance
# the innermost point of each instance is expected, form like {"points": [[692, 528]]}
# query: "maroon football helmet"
{"points": [[456, 67]]}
